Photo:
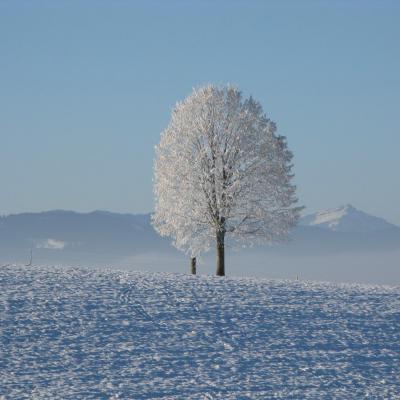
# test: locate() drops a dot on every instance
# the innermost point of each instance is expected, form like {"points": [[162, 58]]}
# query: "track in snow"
{"points": [[75, 333]]}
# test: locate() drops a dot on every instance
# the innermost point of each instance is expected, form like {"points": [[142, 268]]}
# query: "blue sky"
{"points": [[87, 87]]}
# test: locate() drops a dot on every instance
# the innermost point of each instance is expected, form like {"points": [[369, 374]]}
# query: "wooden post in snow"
{"points": [[193, 265]]}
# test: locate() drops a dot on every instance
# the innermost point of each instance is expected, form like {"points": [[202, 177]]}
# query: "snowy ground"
{"points": [[73, 333]]}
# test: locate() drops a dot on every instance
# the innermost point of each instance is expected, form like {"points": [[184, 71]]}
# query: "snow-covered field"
{"points": [[74, 333]]}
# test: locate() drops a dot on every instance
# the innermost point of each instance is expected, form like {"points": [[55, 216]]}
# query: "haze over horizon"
{"points": [[88, 87], [343, 245]]}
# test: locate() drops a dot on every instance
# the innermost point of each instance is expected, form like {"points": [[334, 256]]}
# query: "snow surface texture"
{"points": [[74, 333]]}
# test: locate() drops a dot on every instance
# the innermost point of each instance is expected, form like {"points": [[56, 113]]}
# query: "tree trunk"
{"points": [[193, 265], [221, 253]]}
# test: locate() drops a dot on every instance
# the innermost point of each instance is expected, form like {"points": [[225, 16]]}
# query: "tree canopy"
{"points": [[222, 171]]}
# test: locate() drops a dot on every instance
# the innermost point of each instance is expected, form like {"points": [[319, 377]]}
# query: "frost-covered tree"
{"points": [[222, 173]]}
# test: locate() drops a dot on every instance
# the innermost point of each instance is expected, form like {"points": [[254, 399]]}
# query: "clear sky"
{"points": [[86, 87]]}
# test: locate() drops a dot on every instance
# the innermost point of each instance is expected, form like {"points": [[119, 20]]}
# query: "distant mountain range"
{"points": [[105, 238], [68, 236], [346, 219]]}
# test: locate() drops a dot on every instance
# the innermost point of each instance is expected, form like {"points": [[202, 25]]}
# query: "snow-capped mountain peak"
{"points": [[346, 219]]}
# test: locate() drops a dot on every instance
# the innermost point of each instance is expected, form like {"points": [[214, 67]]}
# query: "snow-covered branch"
{"points": [[221, 169]]}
